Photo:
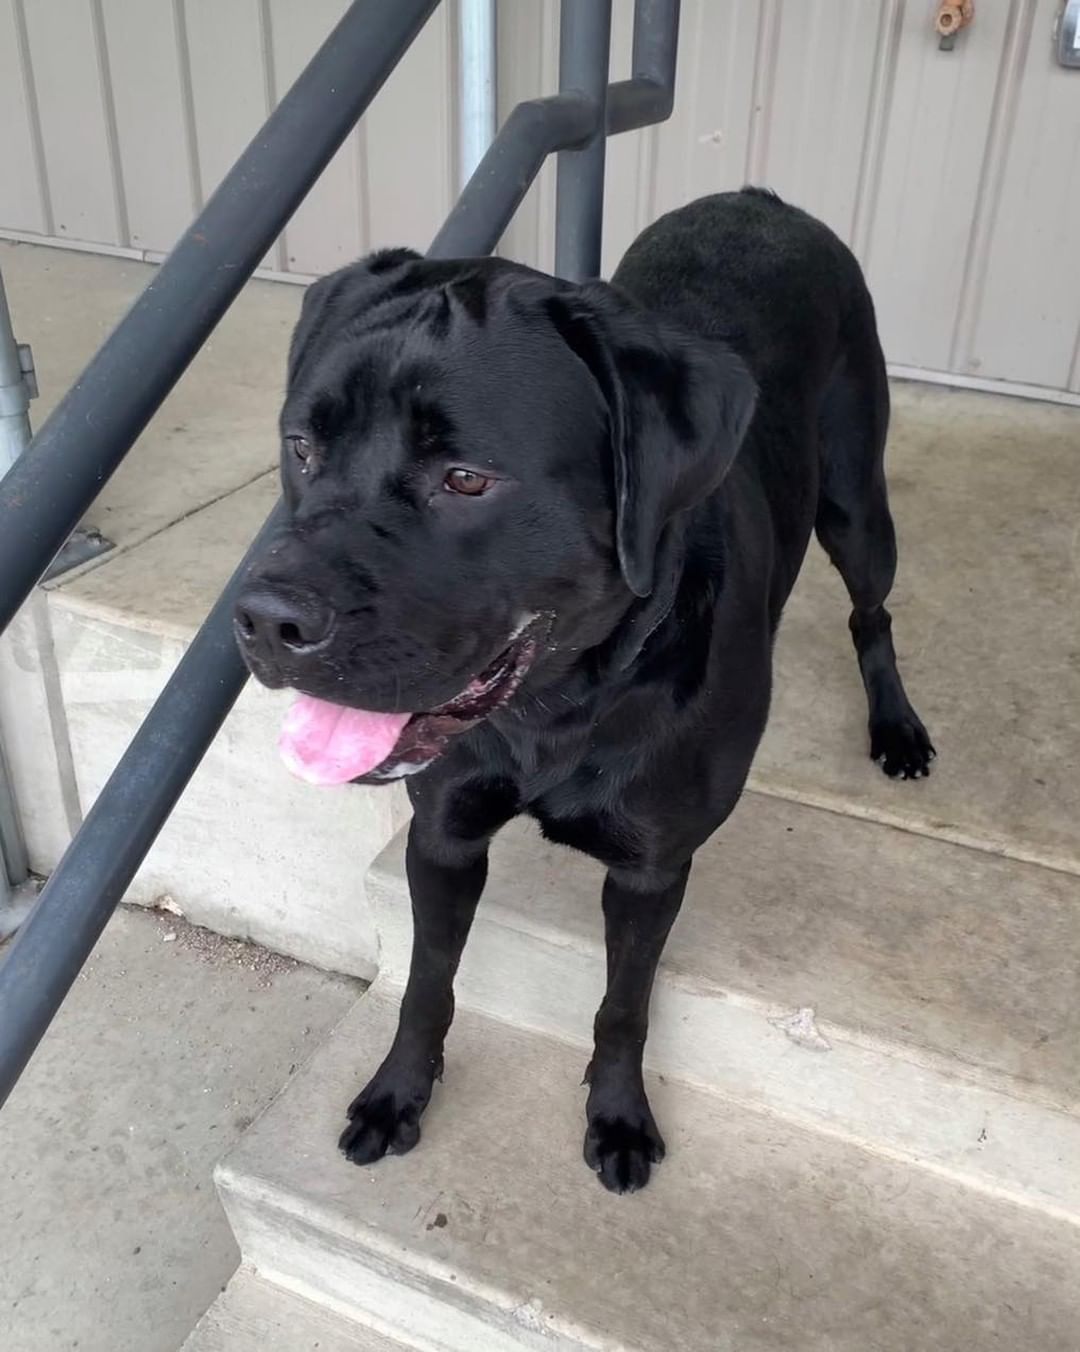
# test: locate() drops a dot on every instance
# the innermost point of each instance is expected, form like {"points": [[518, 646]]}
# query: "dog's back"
{"points": [[746, 267]]}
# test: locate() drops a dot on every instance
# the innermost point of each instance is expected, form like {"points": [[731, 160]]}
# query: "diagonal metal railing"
{"points": [[43, 498]]}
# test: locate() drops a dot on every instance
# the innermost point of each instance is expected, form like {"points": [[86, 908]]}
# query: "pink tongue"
{"points": [[325, 743]]}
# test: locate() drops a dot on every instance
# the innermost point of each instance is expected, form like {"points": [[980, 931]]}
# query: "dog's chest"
{"points": [[578, 802]]}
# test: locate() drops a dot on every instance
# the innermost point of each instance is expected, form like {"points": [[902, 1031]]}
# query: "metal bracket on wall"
{"points": [[80, 547]]}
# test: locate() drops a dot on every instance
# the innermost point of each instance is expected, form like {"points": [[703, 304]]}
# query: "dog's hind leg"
{"points": [[856, 530]]}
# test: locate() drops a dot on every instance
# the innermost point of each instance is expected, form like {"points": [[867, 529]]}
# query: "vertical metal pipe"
{"points": [[477, 67], [14, 438], [584, 45], [14, 864], [14, 393]]}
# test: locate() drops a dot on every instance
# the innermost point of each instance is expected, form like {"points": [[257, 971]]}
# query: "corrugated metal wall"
{"points": [[955, 176], [119, 117]]}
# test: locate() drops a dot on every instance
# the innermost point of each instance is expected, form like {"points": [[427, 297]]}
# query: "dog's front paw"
{"points": [[384, 1118], [622, 1151], [902, 746]]}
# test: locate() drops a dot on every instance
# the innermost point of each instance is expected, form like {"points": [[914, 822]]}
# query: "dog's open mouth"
{"points": [[325, 743]]}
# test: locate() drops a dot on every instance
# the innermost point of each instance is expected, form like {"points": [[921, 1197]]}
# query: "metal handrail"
{"points": [[43, 498]]}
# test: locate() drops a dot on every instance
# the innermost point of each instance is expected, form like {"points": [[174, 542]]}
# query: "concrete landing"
{"points": [[214, 433], [986, 493], [754, 1235]]}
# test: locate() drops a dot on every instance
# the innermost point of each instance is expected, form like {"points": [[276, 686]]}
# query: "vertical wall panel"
{"points": [[955, 176], [229, 82], [1028, 296], [231, 91], [409, 142], [23, 193], [148, 73], [884, 63], [703, 146], [820, 105], [75, 116], [930, 174], [326, 232]]}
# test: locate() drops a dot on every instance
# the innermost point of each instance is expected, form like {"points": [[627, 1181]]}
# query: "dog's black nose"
{"points": [[282, 628]]}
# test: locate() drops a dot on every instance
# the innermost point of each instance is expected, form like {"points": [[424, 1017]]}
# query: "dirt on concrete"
{"points": [[218, 950]]}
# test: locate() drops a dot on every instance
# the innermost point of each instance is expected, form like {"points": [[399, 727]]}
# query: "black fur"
{"points": [[663, 447]]}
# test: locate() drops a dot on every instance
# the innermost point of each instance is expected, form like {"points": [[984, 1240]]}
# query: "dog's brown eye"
{"points": [[301, 448], [467, 481]]}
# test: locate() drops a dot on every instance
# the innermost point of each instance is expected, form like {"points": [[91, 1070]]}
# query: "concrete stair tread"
{"points": [[251, 1315], [754, 1234], [942, 952], [986, 496], [876, 985]]}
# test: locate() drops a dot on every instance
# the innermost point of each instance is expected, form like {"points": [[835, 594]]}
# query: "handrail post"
{"points": [[477, 83], [584, 46], [16, 390]]}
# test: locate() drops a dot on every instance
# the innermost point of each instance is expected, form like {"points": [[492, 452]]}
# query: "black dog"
{"points": [[546, 531]]}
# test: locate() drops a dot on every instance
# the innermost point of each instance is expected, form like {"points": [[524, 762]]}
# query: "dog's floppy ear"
{"points": [[678, 405]]}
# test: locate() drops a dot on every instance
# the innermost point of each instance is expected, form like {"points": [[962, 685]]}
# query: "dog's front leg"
{"points": [[622, 1141], [385, 1116]]}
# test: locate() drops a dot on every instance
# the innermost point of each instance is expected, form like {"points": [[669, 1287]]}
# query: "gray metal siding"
{"points": [[140, 106], [955, 176]]}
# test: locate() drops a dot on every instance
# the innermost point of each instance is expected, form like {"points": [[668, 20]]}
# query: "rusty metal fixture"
{"points": [[952, 16]]}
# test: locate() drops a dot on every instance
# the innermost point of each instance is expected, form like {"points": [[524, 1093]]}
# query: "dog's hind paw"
{"points": [[901, 746]]}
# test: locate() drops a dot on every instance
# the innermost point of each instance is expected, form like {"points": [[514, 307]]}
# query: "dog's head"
{"points": [[479, 463]]}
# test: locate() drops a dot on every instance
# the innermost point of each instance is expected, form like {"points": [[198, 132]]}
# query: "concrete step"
{"points": [[755, 1234], [251, 1315], [882, 986]]}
